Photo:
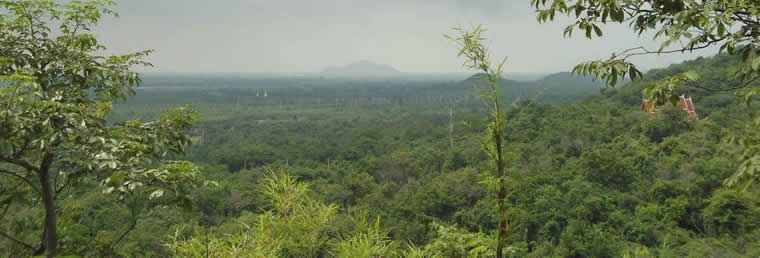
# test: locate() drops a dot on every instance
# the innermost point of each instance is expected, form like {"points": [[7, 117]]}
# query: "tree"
{"points": [[684, 26], [477, 58], [697, 24], [293, 224], [56, 92]]}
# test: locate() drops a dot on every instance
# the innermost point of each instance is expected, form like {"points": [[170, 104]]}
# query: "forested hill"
{"points": [[555, 81], [715, 72], [478, 79], [554, 88]]}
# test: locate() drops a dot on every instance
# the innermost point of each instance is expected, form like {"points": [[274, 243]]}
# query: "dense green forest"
{"points": [[591, 177], [273, 166]]}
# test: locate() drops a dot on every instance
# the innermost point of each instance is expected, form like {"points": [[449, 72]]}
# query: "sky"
{"points": [[306, 36]]}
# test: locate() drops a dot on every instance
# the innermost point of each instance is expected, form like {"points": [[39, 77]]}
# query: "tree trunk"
{"points": [[51, 235], [502, 194], [503, 225], [451, 131]]}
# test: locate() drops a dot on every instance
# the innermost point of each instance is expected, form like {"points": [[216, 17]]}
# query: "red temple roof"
{"points": [[686, 104]]}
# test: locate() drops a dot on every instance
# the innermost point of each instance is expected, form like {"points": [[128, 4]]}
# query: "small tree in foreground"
{"points": [[293, 224], [55, 91], [477, 58]]}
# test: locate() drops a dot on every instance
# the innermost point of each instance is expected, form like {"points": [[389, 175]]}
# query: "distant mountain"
{"points": [[555, 88], [524, 76], [362, 68], [510, 87], [479, 78]]}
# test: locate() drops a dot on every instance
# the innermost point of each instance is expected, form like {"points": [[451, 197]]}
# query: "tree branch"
{"points": [[6, 235], [627, 53], [744, 85], [26, 180], [7, 202], [19, 162], [59, 190], [131, 227]]}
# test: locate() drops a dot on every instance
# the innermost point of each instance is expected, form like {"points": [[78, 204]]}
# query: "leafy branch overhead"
{"points": [[680, 25]]}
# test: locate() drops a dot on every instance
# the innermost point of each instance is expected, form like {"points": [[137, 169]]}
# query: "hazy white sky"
{"points": [[297, 36]]}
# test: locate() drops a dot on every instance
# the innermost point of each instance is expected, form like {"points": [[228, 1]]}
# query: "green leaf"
{"points": [[756, 63], [598, 30], [691, 75], [156, 194]]}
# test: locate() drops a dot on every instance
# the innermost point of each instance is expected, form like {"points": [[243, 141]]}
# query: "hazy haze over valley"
{"points": [[304, 36]]}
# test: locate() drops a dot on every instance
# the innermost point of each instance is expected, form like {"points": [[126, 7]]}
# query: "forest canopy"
{"points": [[97, 160]]}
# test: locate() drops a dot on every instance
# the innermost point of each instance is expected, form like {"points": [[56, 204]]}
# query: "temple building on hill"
{"points": [[645, 108], [686, 104]]}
